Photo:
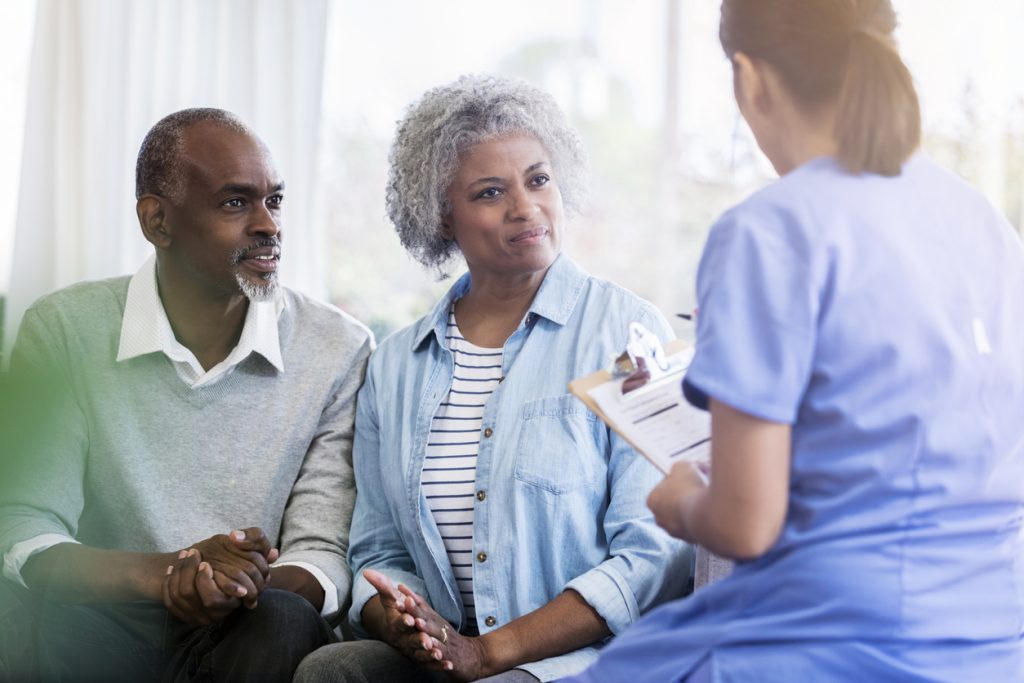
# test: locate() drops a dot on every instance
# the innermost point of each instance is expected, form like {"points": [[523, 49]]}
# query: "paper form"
{"points": [[657, 420]]}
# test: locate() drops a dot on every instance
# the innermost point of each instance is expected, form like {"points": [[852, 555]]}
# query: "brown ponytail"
{"points": [[842, 52]]}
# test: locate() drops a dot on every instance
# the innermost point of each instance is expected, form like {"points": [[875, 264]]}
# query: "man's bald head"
{"points": [[159, 169]]}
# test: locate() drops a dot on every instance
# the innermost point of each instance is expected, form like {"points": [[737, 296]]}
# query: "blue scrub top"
{"points": [[883, 318]]}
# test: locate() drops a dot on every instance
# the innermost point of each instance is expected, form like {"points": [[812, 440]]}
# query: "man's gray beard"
{"points": [[264, 291]]}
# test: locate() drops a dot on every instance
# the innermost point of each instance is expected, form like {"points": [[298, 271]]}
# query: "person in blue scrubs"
{"points": [[860, 346]]}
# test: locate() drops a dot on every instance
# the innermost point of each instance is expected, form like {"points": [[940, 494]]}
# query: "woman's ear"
{"points": [[152, 219], [446, 229], [754, 86], [750, 86]]}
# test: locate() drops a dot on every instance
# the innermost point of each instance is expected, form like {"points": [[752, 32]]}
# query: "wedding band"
{"points": [[444, 635]]}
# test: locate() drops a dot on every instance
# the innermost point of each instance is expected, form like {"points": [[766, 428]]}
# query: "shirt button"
{"points": [[481, 557], [481, 495], [487, 433], [490, 621]]}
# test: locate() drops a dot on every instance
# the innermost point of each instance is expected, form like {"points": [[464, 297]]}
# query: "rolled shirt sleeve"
{"points": [[330, 608], [19, 554]]}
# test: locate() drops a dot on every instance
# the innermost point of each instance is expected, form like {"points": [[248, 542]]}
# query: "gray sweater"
{"points": [[142, 462]]}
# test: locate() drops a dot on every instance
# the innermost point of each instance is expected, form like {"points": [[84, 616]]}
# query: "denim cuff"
{"points": [[609, 594]]}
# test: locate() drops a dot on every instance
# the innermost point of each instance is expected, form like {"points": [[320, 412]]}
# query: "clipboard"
{"points": [[708, 568], [692, 442]]}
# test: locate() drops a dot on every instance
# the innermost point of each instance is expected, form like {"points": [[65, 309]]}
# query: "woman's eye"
{"points": [[489, 193], [540, 180]]}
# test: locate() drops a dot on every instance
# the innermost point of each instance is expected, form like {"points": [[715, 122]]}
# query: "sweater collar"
{"points": [[145, 328]]}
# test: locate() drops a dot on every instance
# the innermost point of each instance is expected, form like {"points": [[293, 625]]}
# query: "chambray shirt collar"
{"points": [[555, 300], [146, 329]]}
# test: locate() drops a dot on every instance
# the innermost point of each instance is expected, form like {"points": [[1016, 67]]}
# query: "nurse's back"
{"points": [[908, 446]]}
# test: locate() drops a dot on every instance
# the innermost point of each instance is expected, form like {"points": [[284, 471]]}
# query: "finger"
{"points": [[251, 562], [174, 588], [165, 592], [273, 555], [426, 657], [417, 647], [247, 588], [703, 472], [417, 606], [227, 586], [383, 585], [238, 594], [178, 605], [186, 584], [438, 634], [252, 538], [212, 597], [244, 559], [410, 593]]}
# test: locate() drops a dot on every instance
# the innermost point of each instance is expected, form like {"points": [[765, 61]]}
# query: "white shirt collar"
{"points": [[146, 329]]}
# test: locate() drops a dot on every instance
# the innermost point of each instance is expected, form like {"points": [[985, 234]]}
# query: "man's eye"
{"points": [[235, 203], [275, 201]]}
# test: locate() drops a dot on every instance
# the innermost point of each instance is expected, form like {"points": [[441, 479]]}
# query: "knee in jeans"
{"points": [[285, 612]]}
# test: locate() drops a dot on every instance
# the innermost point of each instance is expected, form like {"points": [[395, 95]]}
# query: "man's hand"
{"points": [[194, 593], [243, 559]]}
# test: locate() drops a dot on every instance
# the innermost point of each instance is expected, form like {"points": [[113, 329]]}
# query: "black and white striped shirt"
{"points": [[449, 469]]}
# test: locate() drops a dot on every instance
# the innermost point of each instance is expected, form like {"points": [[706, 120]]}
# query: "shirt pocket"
{"points": [[557, 445]]}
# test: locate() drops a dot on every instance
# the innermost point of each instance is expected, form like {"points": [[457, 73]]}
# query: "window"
{"points": [[14, 55]]}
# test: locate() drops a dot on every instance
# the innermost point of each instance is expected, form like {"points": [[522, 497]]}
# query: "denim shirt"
{"points": [[560, 498]]}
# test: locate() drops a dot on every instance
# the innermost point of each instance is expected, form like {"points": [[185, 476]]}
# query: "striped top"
{"points": [[449, 469]]}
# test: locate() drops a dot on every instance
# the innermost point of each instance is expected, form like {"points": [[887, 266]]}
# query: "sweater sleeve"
{"points": [[315, 526], [43, 465]]}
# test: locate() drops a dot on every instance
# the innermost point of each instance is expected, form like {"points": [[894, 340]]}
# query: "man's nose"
{"points": [[264, 222]]}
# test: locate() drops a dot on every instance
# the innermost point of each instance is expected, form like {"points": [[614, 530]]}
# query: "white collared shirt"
{"points": [[146, 329]]}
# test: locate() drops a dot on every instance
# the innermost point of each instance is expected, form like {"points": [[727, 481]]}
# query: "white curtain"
{"points": [[103, 72]]}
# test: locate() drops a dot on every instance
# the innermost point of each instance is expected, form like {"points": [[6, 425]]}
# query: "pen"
{"points": [[685, 316]]}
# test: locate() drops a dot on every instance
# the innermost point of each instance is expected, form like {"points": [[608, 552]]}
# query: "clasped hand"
{"points": [[216, 576], [413, 628]]}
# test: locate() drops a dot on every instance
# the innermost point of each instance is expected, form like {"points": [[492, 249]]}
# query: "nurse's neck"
{"points": [[789, 133]]}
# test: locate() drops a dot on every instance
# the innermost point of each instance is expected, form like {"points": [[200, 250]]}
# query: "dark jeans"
{"points": [[46, 642]]}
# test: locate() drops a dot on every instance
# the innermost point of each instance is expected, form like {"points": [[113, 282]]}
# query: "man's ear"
{"points": [[750, 85], [153, 220]]}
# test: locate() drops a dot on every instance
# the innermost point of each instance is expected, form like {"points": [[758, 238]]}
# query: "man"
{"points": [[189, 516]]}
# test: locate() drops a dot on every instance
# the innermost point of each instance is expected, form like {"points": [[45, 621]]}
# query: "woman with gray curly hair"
{"points": [[500, 532]]}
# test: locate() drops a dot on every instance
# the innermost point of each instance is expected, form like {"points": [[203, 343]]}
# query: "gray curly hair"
{"points": [[445, 121]]}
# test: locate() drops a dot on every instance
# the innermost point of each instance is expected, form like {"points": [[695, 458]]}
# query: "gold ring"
{"points": [[444, 635]]}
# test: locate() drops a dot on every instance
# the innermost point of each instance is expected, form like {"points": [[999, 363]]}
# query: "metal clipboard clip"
{"points": [[644, 364]]}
